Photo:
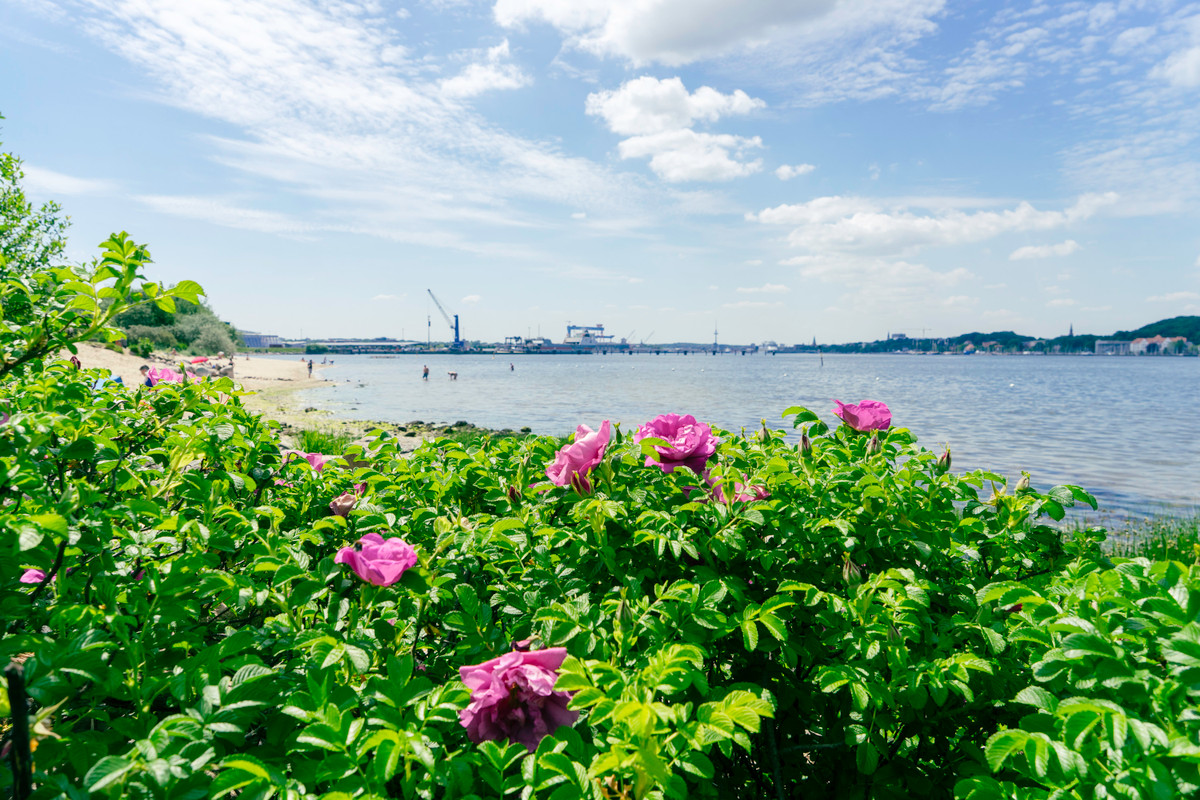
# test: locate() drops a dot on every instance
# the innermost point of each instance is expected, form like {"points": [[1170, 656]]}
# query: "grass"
{"points": [[313, 440], [1159, 539]]}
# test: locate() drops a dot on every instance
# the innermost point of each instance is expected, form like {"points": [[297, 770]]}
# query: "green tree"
{"points": [[30, 238]]}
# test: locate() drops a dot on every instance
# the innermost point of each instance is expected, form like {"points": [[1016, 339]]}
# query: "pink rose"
{"points": [[377, 560], [513, 698], [315, 460], [869, 415], [33, 576], [741, 492], [689, 443], [574, 461]]}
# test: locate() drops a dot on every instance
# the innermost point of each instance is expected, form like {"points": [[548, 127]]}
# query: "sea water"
{"points": [[1124, 428]]}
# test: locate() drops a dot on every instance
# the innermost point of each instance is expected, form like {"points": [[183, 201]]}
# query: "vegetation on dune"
{"points": [[189, 609]]}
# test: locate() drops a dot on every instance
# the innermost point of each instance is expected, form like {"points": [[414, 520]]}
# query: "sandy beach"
{"points": [[273, 381]]}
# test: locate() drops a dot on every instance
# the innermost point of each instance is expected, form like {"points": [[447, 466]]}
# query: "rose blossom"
{"points": [[33, 576], [513, 697], [741, 492], [689, 443], [574, 461], [869, 415], [377, 560]]}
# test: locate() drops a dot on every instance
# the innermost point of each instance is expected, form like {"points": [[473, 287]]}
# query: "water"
{"points": [[1123, 428]]}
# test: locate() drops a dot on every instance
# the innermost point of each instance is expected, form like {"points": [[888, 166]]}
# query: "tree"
{"points": [[30, 238]]}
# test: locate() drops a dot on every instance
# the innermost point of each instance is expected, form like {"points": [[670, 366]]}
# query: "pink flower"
{"points": [[33, 576], [741, 492], [315, 460], [513, 698], [574, 461], [869, 415], [689, 443], [345, 501], [377, 560]]}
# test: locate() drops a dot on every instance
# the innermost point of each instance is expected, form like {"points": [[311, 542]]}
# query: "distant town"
{"points": [[1177, 336]]}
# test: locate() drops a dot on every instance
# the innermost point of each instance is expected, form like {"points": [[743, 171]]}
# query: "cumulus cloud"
{"points": [[855, 224], [657, 116], [788, 171], [670, 32], [766, 288], [471, 299], [491, 74], [650, 105], [686, 155], [1044, 251]]}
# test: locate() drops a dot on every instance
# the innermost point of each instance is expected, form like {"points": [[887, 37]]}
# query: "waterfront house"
{"points": [[1158, 345]]}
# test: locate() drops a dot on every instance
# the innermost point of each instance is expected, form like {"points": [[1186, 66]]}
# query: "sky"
{"points": [[769, 170]]}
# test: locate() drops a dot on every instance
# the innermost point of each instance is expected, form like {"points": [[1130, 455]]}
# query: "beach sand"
{"points": [[274, 382]]}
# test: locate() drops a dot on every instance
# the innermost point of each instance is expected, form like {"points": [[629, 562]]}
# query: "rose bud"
{"points": [[943, 462], [765, 434], [805, 445], [851, 574], [874, 446], [1023, 483]]}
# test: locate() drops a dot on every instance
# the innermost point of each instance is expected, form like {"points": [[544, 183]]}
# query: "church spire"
{"points": [[1071, 332]]}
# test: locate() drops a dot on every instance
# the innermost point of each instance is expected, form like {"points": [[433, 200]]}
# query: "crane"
{"points": [[458, 343]]}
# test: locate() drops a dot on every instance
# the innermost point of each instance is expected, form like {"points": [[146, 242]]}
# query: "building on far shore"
{"points": [[1111, 347], [1157, 345], [261, 340]]}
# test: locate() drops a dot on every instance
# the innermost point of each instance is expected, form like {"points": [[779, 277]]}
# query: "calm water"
{"points": [[1126, 429]]}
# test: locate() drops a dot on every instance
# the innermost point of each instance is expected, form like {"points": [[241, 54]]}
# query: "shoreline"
{"points": [[272, 384]]}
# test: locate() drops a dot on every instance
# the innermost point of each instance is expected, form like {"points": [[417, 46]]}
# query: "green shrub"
{"points": [[851, 620]]}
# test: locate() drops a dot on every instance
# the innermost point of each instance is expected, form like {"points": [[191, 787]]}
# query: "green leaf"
{"points": [[866, 758], [1002, 745], [1038, 698], [749, 634], [106, 772]]}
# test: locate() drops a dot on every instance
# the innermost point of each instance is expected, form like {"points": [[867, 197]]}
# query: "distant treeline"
{"points": [[192, 328], [1009, 341]]}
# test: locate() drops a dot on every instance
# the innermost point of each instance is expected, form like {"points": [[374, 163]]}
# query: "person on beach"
{"points": [[310, 368], [511, 367], [425, 373], [145, 370]]}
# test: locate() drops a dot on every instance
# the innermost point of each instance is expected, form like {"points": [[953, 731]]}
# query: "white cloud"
{"points": [[649, 105], [579, 215], [385, 297], [327, 103], [1173, 297], [766, 288], [656, 115], [1044, 251], [491, 74], [788, 171], [853, 224], [1197, 264], [227, 213], [1060, 302], [685, 155], [48, 182], [471, 299], [751, 304], [670, 32], [1181, 69]]}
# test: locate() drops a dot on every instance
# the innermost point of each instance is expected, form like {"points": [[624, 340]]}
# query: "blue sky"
{"points": [[778, 169]]}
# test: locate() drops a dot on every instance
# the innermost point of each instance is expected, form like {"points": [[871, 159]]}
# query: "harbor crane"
{"points": [[458, 343]]}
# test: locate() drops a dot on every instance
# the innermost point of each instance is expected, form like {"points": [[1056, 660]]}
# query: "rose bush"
{"points": [[869, 625]]}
